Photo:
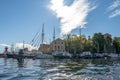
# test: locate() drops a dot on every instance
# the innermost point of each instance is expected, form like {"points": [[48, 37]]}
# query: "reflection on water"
{"points": [[50, 69], [20, 62]]}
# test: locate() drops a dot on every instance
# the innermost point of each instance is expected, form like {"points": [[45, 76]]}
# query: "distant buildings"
{"points": [[55, 45], [45, 48]]}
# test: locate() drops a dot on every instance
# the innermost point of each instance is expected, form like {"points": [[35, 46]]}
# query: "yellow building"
{"points": [[44, 48], [57, 45]]}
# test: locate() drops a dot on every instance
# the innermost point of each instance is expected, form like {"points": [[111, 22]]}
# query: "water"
{"points": [[66, 69]]}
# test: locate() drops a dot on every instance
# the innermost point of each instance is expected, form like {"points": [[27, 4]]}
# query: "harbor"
{"points": [[59, 40], [71, 47]]}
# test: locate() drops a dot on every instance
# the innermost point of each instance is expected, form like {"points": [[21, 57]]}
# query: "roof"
{"points": [[58, 39]]}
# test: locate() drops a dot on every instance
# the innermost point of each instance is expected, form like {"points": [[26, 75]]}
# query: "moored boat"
{"points": [[61, 54]]}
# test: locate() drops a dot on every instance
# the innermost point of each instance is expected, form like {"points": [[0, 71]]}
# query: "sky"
{"points": [[20, 20]]}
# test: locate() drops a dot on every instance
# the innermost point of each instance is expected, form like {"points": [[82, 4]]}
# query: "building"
{"points": [[44, 48], [107, 35], [57, 45]]}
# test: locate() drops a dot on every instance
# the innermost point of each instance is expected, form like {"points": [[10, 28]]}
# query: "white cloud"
{"points": [[18, 46], [4, 45], [30, 47], [114, 8], [114, 5], [115, 13], [72, 16]]}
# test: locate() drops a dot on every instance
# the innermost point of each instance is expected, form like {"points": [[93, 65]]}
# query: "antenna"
{"points": [[54, 34]]}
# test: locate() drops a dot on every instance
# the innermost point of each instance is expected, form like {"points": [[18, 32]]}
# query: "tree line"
{"points": [[98, 43]]}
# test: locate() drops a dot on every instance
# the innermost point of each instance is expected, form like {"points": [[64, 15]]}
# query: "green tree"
{"points": [[116, 44], [98, 42], [67, 42], [88, 45], [108, 43], [76, 44]]}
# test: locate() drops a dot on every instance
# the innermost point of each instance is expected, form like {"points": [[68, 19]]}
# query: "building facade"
{"points": [[57, 45], [44, 48]]}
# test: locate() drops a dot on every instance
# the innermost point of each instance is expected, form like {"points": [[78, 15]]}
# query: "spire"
{"points": [[42, 34], [54, 34]]}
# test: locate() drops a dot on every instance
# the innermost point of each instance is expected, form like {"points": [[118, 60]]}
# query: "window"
{"points": [[61, 47], [55, 47], [58, 47]]}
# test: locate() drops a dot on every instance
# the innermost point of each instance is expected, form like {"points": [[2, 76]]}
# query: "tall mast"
{"points": [[42, 34], [54, 34], [80, 40]]}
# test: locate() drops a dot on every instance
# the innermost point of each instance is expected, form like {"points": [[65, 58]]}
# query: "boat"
{"points": [[86, 55], [16, 55], [61, 54], [41, 55]]}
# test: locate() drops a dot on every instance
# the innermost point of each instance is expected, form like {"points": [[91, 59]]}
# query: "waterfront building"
{"points": [[57, 45], [45, 48]]}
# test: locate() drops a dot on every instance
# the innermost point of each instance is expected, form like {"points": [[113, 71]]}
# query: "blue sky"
{"points": [[21, 19]]}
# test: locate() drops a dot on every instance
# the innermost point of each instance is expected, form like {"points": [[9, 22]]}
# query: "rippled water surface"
{"points": [[66, 69]]}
